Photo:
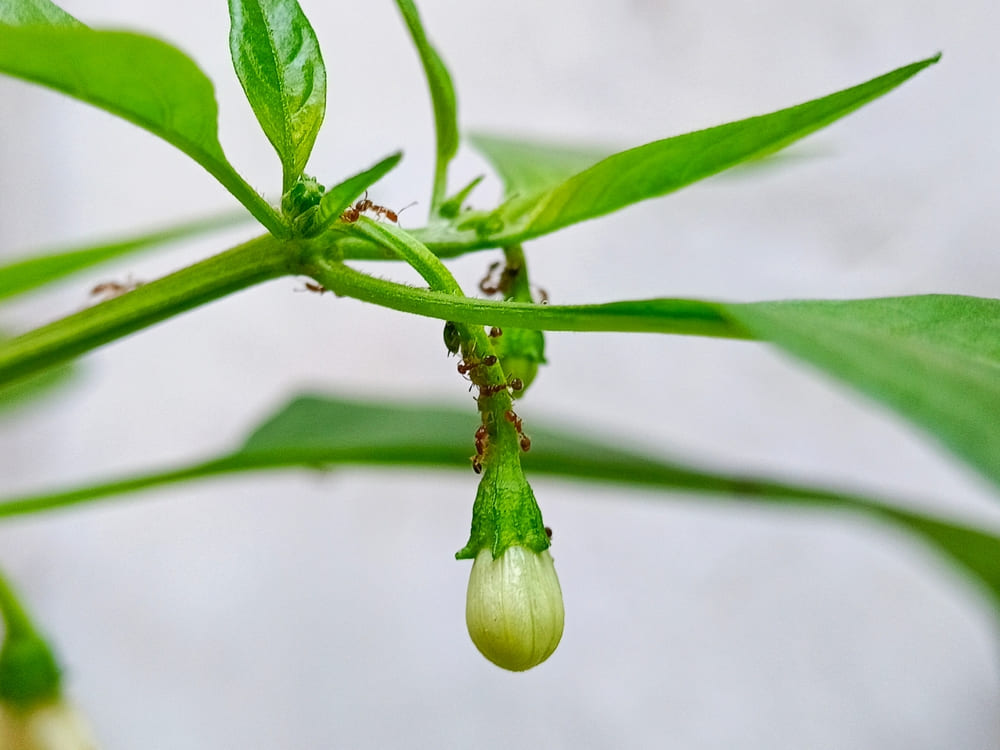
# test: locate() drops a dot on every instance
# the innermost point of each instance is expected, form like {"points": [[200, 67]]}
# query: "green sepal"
{"points": [[29, 672], [505, 513]]}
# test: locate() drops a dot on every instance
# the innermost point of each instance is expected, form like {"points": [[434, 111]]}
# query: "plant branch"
{"points": [[674, 316], [258, 260]]}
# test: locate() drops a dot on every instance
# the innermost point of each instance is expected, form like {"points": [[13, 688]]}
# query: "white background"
{"points": [[310, 611]]}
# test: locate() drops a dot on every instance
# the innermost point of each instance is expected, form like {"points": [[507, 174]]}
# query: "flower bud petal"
{"points": [[53, 725], [514, 608]]}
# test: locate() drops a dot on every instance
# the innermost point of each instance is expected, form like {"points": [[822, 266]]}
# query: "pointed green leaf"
{"points": [[527, 167], [313, 432], [138, 78], [658, 168], [442, 99], [34, 12], [278, 61], [30, 273], [934, 359]]}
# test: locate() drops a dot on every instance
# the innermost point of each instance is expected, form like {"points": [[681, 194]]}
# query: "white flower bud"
{"points": [[53, 725], [514, 607]]}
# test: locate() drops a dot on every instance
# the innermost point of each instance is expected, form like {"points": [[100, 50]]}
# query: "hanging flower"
{"points": [[514, 607]]}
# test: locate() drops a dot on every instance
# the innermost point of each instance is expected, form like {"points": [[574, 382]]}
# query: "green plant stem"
{"points": [[521, 289], [675, 316], [424, 262], [266, 257], [494, 399], [16, 620], [475, 343], [255, 261]]}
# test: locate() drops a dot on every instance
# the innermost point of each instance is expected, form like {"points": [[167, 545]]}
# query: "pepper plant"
{"points": [[934, 359]]}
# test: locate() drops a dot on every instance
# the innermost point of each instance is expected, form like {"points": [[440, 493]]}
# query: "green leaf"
{"points": [[278, 61], [934, 359], [527, 166], [141, 79], [30, 273], [648, 171], [341, 195], [442, 99], [318, 432], [34, 12]]}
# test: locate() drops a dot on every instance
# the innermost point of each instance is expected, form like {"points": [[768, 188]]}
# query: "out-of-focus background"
{"points": [[296, 610]]}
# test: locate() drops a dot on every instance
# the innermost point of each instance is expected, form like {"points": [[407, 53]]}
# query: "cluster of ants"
{"points": [[468, 369], [483, 436]]}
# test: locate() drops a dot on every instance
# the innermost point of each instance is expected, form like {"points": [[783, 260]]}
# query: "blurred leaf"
{"points": [[30, 273], [527, 166], [442, 98], [39, 385], [138, 78], [278, 61], [34, 12], [321, 432], [935, 359]]}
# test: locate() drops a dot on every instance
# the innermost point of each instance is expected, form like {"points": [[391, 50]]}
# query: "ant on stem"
{"points": [[353, 213]]}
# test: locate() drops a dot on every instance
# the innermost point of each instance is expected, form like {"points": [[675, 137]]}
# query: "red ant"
{"points": [[525, 442], [110, 289], [465, 367], [514, 384], [311, 286], [482, 436], [506, 277], [353, 213]]}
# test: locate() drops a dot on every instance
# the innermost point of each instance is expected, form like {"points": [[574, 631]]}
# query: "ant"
{"points": [[503, 282], [548, 531], [525, 442], [466, 367], [311, 286], [482, 437], [353, 213], [110, 289], [495, 332], [514, 384]]}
